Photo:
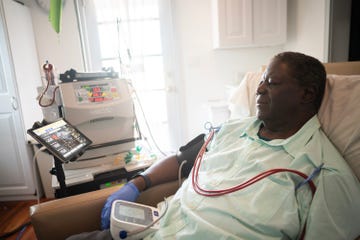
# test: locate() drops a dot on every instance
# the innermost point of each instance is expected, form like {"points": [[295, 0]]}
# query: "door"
{"points": [[15, 162]]}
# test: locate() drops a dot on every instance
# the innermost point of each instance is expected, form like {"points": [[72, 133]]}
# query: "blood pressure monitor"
{"points": [[132, 220]]}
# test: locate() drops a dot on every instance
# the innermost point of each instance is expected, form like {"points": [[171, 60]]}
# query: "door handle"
{"points": [[14, 103]]}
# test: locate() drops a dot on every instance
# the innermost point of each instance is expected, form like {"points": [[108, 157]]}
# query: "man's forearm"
{"points": [[167, 169], [163, 171]]}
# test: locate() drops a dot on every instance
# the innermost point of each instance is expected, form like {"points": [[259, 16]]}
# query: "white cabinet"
{"points": [[19, 72], [248, 23]]}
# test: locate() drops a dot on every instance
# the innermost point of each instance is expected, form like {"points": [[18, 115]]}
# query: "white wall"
{"points": [[62, 50], [206, 72], [203, 71], [308, 27]]}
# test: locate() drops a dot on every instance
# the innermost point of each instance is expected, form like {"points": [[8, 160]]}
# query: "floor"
{"points": [[14, 214]]}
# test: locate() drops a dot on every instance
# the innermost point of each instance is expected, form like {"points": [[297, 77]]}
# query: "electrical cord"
{"points": [[144, 117], [21, 233], [21, 228], [34, 173], [121, 63]]}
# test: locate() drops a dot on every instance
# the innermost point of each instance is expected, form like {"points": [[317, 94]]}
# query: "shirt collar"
{"points": [[291, 144]]}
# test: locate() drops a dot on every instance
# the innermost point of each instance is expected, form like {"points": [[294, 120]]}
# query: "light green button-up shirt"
{"points": [[270, 208]]}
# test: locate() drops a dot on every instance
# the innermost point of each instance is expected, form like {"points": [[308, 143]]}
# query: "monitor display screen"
{"points": [[61, 139], [96, 92]]}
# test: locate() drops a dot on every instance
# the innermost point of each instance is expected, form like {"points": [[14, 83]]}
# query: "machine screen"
{"points": [[95, 93], [62, 139], [131, 212]]}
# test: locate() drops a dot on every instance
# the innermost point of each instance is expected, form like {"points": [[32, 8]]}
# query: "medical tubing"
{"points": [[52, 99], [208, 126], [311, 176], [49, 76], [179, 171], [213, 193]]}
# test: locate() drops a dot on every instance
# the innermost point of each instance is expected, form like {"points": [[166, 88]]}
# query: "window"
{"points": [[130, 36]]}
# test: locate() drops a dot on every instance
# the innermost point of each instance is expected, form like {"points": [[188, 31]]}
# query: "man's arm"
{"points": [[163, 171], [167, 169], [335, 207]]}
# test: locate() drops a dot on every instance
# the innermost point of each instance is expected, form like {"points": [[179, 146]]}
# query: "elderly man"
{"points": [[273, 176]]}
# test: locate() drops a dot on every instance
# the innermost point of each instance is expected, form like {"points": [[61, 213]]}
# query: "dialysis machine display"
{"points": [[101, 108]]}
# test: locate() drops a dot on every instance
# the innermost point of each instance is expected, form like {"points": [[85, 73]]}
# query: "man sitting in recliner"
{"points": [[273, 176]]}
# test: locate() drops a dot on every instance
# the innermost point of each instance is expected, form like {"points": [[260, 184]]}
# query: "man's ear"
{"points": [[309, 94]]}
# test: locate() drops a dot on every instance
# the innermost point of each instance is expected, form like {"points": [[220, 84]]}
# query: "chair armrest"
{"points": [[61, 218]]}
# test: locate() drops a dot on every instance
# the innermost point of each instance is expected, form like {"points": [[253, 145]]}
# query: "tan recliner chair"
{"points": [[61, 218], [339, 115]]}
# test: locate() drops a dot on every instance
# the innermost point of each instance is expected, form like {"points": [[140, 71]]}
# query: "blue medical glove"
{"points": [[128, 192]]}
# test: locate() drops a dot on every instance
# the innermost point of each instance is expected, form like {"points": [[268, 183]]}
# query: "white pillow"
{"points": [[339, 113], [242, 100]]}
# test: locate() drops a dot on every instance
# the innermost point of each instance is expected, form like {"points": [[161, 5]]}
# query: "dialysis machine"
{"points": [[100, 106], [102, 109]]}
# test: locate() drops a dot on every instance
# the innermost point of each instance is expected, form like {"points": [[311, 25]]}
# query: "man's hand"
{"points": [[129, 192]]}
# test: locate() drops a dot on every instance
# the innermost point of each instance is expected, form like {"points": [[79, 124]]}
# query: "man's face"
{"points": [[278, 94]]}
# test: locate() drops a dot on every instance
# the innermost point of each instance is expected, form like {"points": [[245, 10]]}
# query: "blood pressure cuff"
{"points": [[189, 153]]}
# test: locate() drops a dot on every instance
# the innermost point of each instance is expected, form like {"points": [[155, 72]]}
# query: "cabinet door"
{"points": [[269, 24], [15, 161], [232, 23], [249, 23]]}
